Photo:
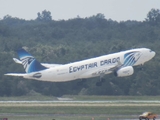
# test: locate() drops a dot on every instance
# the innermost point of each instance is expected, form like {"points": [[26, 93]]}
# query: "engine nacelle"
{"points": [[125, 71]]}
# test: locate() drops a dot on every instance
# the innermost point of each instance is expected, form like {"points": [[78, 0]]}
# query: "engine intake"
{"points": [[125, 71]]}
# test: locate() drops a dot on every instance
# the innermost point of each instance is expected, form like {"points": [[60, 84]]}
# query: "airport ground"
{"points": [[77, 107]]}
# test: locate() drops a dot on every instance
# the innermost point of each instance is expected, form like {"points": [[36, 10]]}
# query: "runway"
{"points": [[91, 102], [81, 103]]}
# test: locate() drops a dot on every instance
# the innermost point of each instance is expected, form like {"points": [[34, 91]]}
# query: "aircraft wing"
{"points": [[104, 70], [50, 65], [116, 67]]}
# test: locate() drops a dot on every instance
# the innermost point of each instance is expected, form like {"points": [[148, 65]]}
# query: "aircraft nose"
{"points": [[152, 54]]}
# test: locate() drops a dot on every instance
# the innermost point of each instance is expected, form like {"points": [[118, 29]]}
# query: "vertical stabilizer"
{"points": [[29, 62]]}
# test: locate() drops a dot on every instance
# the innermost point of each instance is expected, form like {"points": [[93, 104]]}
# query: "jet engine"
{"points": [[124, 71]]}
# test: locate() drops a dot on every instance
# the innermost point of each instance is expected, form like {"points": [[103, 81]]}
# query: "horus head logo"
{"points": [[27, 61]]}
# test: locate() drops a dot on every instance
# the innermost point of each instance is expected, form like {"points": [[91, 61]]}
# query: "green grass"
{"points": [[122, 110], [29, 98]]}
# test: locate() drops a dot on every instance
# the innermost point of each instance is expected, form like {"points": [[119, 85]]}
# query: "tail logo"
{"points": [[27, 61]]}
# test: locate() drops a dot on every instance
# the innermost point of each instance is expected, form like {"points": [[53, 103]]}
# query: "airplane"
{"points": [[120, 63]]}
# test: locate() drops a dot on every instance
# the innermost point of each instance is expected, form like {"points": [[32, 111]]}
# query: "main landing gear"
{"points": [[99, 83]]}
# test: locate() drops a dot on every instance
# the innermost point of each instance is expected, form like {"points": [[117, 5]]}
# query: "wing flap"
{"points": [[97, 72], [103, 71]]}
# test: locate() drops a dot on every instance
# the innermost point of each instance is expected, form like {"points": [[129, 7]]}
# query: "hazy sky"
{"points": [[119, 10]]}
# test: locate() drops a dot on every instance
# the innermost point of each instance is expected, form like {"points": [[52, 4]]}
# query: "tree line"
{"points": [[75, 39]]}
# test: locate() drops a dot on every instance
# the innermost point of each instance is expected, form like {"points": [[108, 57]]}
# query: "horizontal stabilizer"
{"points": [[17, 61], [47, 65], [16, 74]]}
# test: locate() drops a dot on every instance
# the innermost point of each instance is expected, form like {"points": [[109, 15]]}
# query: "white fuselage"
{"points": [[93, 67]]}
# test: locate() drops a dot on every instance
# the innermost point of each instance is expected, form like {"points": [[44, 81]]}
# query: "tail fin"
{"points": [[29, 62]]}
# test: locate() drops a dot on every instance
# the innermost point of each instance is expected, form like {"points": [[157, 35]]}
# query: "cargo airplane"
{"points": [[120, 63]]}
